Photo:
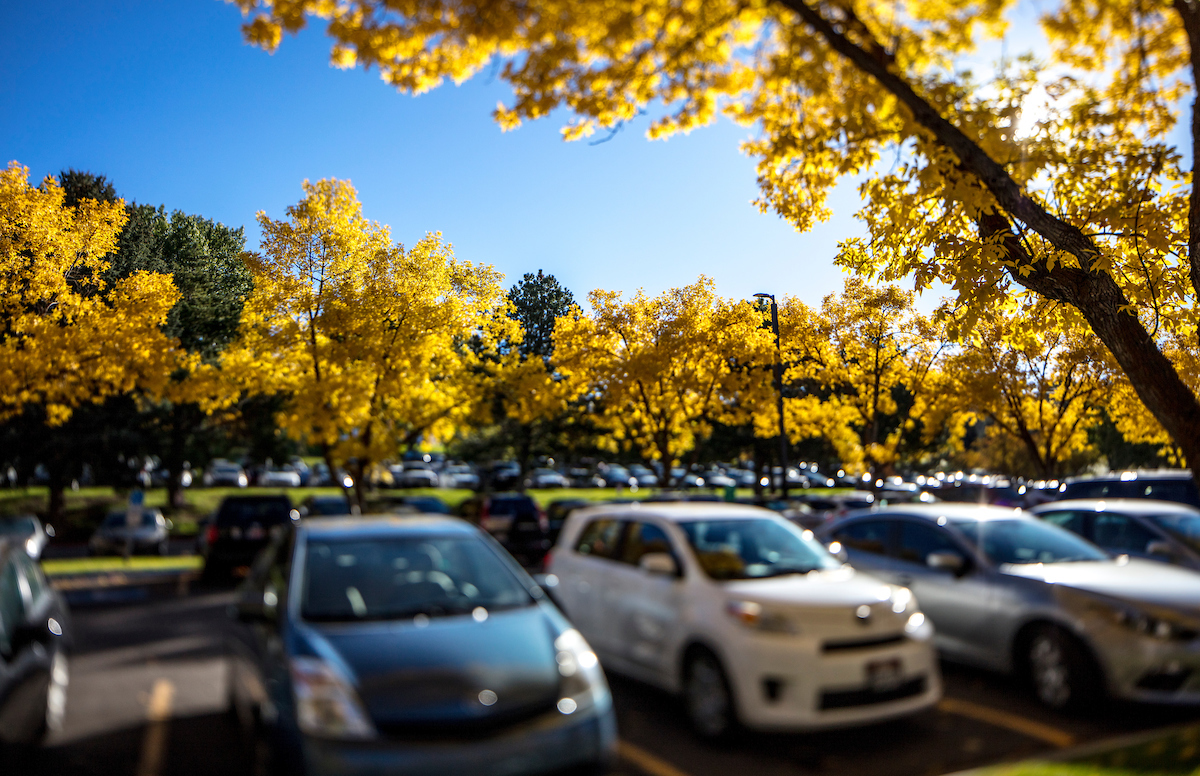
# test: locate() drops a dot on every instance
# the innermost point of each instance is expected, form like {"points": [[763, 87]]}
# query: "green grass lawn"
{"points": [[67, 566], [1173, 753]]}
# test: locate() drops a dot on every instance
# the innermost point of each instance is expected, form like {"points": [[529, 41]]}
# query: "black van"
{"points": [[241, 528]]}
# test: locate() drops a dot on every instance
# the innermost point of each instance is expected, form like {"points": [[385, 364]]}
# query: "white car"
{"points": [[745, 615], [414, 474], [279, 478]]}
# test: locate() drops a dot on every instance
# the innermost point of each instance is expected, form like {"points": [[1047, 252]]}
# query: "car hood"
{"points": [[834, 587], [415, 679], [1129, 579]]}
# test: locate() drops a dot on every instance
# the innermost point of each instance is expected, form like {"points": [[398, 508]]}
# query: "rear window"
{"points": [[17, 526], [512, 506], [1179, 491], [264, 511]]}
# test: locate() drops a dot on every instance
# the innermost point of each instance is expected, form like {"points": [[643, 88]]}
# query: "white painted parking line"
{"points": [[1004, 719], [646, 762], [158, 717]]}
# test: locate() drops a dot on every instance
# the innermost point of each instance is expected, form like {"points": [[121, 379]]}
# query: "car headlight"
{"points": [[1157, 626], [326, 704], [901, 599], [753, 615], [918, 627], [582, 679]]}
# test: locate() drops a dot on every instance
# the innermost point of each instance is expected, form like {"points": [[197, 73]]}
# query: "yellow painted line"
{"points": [[158, 715], [646, 762], [1004, 719]]}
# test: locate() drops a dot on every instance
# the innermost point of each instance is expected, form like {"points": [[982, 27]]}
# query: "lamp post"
{"points": [[783, 455]]}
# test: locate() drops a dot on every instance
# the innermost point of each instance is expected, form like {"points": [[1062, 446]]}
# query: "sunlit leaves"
{"points": [[67, 336]]}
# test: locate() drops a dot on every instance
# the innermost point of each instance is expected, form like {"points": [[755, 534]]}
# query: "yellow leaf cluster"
{"points": [[366, 341], [68, 337]]}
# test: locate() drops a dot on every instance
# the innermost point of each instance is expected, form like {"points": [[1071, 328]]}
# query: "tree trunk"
{"points": [[351, 507], [56, 503]]}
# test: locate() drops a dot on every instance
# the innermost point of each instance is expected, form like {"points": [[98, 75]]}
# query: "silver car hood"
{"points": [[1129, 579], [835, 587]]}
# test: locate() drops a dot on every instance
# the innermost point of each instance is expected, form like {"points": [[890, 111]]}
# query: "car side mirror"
{"points": [[659, 563], [252, 608], [946, 561], [1159, 547], [50, 531]]}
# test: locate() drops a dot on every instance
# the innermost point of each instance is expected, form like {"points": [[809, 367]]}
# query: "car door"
{"points": [[645, 607], [25, 671], [961, 605], [583, 572], [1123, 535], [257, 661]]}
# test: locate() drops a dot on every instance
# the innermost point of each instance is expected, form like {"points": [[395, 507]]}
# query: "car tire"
{"points": [[1062, 672], [707, 697]]}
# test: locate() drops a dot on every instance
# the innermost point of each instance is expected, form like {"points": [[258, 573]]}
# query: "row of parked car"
{"points": [[422, 642]]}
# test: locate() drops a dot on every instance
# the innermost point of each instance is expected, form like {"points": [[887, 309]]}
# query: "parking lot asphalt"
{"points": [[147, 698]]}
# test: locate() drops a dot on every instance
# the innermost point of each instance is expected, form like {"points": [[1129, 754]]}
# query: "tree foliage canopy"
{"points": [[1053, 178], [68, 334]]}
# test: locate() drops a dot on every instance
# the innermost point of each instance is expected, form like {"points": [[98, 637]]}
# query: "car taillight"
{"points": [[484, 512], [543, 522], [212, 534]]}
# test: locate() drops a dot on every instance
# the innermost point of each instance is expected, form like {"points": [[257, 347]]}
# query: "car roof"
{"points": [[1133, 476], [677, 511], [356, 527], [952, 510], [1135, 506]]}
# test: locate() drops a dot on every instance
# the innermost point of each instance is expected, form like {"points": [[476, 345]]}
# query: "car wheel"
{"points": [[1063, 674], [707, 697]]}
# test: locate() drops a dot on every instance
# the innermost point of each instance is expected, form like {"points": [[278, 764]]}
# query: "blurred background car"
{"points": [[744, 615], [557, 511], [503, 475], [239, 531], [616, 476], [151, 534], [513, 519], [35, 634], [430, 505], [643, 475], [414, 474], [417, 644], [225, 474], [314, 506], [459, 475], [546, 478], [1156, 530], [1164, 485], [1011, 593], [284, 477], [582, 477], [27, 531]]}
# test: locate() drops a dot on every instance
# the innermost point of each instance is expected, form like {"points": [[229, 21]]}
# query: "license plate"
{"points": [[883, 675]]}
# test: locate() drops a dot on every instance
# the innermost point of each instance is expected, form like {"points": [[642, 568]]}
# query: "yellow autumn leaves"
{"points": [[370, 345], [68, 336]]}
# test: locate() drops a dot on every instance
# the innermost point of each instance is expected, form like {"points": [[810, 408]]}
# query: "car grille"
{"points": [[462, 730], [844, 699], [848, 645]]}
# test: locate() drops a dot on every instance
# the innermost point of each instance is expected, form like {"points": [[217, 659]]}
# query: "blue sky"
{"points": [[164, 98]]}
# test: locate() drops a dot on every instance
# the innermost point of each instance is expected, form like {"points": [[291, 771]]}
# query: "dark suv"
{"points": [[1177, 486], [515, 520], [241, 528]]}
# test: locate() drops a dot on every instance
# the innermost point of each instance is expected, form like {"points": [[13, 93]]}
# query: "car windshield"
{"points": [[1184, 526], [117, 520], [17, 526], [389, 579], [1027, 541], [754, 549]]}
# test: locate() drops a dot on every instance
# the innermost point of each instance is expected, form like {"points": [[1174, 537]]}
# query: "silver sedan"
{"points": [[1011, 593]]}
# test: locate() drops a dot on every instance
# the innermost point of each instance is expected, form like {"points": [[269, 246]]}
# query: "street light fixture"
{"points": [[783, 453]]}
